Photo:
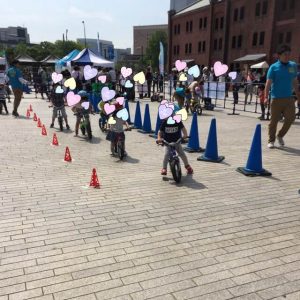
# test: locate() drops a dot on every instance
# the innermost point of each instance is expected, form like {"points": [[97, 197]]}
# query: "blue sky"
{"points": [[113, 19]]}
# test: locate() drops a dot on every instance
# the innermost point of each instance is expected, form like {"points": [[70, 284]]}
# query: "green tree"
{"points": [[62, 48], [153, 49]]}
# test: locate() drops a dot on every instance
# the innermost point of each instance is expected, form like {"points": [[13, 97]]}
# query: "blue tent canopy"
{"points": [[67, 58], [87, 57]]}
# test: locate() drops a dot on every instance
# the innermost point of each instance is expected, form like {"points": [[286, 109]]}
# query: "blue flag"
{"points": [[161, 58]]}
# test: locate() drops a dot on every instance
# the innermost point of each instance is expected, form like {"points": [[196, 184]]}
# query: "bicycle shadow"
{"points": [[94, 140], [186, 181], [129, 159]]}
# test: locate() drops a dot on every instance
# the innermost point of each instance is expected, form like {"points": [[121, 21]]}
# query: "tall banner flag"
{"points": [[161, 58]]}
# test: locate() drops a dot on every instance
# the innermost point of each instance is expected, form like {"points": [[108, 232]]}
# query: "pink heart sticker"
{"points": [[56, 77], [107, 94], [85, 105], [220, 69], [102, 78], [164, 112], [89, 72], [120, 100], [180, 65], [164, 102], [72, 99], [126, 72], [177, 118], [109, 108]]}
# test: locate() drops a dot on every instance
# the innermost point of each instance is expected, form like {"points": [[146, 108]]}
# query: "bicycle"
{"points": [[60, 118], [195, 106], [174, 160], [119, 146]]}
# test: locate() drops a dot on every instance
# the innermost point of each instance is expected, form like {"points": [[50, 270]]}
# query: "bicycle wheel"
{"points": [[120, 147], [176, 170], [88, 129], [82, 128], [199, 110], [60, 122], [101, 124]]}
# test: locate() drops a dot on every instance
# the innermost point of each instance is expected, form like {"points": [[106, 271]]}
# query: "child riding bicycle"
{"points": [[172, 133], [58, 103]]}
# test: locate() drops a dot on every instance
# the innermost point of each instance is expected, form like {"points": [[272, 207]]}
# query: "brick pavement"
{"points": [[218, 235]]}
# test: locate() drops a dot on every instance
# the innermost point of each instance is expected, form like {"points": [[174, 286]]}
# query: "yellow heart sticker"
{"points": [[183, 114], [182, 77], [111, 121], [70, 83], [139, 77]]}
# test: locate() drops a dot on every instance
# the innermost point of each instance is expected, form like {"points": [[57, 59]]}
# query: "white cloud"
{"points": [[79, 13]]}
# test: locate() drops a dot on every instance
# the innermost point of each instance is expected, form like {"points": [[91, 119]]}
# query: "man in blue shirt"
{"points": [[15, 80], [282, 79]]}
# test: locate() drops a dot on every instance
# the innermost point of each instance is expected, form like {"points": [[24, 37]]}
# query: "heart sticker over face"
{"points": [[164, 111], [180, 65], [126, 72], [59, 90], [89, 72], [72, 99], [139, 77], [107, 94], [128, 84], [182, 77], [177, 118], [102, 78], [232, 75], [170, 121], [70, 83], [85, 105], [120, 100], [123, 114], [183, 114], [163, 102], [220, 69], [194, 71], [109, 108], [56, 77], [111, 121]]}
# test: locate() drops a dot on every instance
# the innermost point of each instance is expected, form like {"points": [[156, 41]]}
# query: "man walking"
{"points": [[16, 81], [282, 79]]}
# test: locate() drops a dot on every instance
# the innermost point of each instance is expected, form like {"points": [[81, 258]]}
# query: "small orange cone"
{"points": [[34, 117], [68, 157], [94, 180], [54, 140], [30, 108], [44, 132], [39, 124], [28, 114]]}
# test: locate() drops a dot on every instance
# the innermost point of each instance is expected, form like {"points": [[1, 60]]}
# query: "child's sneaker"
{"points": [[163, 172], [189, 170], [51, 125], [68, 127]]}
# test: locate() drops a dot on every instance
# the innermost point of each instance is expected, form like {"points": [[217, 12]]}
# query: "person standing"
{"points": [[149, 78], [16, 81], [282, 79]]}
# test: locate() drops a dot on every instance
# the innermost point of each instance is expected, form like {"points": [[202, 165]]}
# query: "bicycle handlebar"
{"points": [[164, 142]]}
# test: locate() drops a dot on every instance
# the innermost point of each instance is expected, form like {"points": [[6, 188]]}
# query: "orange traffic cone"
{"points": [[28, 114], [30, 108], [54, 140], [68, 155], [39, 124], [34, 117], [94, 180], [44, 132]]}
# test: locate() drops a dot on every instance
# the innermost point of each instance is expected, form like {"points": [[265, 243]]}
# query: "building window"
{"points": [[178, 49], [233, 41], [288, 37], [265, 8], [235, 14], [191, 26], [222, 23], [178, 28], [220, 43], [190, 48], [186, 48], [203, 46], [283, 5], [254, 39], [257, 9], [215, 44], [174, 51], [280, 38], [216, 24], [292, 4], [262, 38], [205, 22], [200, 23], [199, 47], [240, 41], [175, 29], [242, 13], [187, 27]]}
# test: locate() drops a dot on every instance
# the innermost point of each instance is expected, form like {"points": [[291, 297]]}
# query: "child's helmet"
{"points": [[83, 93]]}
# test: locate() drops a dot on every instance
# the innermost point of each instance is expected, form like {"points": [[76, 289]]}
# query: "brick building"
{"points": [[142, 34], [236, 32]]}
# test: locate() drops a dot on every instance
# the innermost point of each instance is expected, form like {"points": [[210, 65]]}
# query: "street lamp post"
{"points": [[84, 33], [66, 35]]}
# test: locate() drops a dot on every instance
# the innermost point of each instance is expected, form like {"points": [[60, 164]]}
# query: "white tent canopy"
{"points": [[261, 65], [2, 61]]}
